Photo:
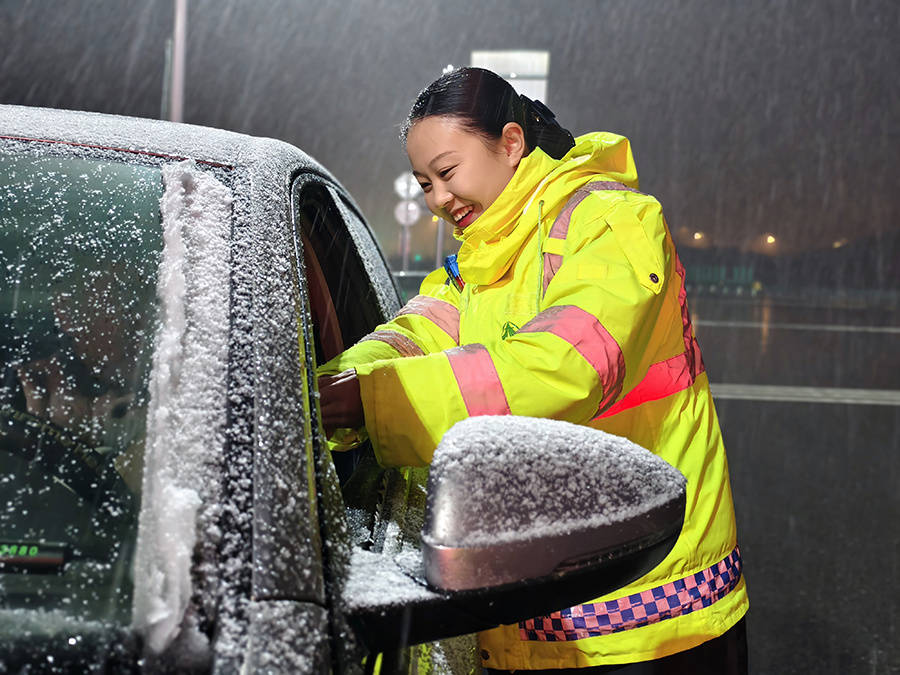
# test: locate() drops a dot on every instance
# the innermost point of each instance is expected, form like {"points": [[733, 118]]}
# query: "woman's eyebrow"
{"points": [[434, 161], [438, 157]]}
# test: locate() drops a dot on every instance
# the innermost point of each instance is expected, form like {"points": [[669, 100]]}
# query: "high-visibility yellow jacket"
{"points": [[573, 308]]}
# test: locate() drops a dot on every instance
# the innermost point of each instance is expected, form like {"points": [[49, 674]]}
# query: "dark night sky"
{"points": [[746, 118]]}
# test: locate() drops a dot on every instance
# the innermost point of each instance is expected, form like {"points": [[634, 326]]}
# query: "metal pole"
{"points": [[164, 105], [439, 244], [404, 246], [179, 39]]}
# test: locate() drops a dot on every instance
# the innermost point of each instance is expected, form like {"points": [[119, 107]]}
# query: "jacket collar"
{"points": [[540, 185], [490, 243]]}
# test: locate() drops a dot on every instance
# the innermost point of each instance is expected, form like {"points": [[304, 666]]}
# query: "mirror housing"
{"points": [[523, 517], [499, 512]]}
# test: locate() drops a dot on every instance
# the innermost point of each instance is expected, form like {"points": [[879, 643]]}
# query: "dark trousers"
{"points": [[724, 655]]}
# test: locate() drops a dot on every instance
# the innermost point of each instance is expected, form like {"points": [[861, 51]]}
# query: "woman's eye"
{"points": [[425, 186], [445, 172]]}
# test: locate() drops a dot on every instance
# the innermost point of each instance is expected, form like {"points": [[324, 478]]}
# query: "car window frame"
{"points": [[347, 646]]}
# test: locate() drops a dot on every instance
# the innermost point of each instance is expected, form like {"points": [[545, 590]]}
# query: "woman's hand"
{"points": [[340, 401]]}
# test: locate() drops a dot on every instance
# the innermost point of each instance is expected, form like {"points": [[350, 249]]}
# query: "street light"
{"points": [[406, 186]]}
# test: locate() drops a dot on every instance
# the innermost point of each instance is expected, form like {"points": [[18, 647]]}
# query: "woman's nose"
{"points": [[442, 197]]}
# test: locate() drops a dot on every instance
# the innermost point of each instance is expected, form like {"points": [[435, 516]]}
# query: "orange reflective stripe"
{"points": [[478, 381], [442, 314], [672, 375], [662, 379], [587, 335], [403, 345]]}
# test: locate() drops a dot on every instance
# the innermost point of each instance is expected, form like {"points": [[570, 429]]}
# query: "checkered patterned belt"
{"points": [[675, 598]]}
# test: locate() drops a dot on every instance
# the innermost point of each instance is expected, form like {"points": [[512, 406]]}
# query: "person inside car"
{"points": [[88, 388], [569, 303]]}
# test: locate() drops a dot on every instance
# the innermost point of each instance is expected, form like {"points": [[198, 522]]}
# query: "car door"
{"points": [[350, 292], [152, 382]]}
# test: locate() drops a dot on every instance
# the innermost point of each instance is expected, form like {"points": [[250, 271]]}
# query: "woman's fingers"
{"points": [[340, 401]]}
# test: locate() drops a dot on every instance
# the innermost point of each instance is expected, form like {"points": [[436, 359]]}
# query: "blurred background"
{"points": [[767, 129]]}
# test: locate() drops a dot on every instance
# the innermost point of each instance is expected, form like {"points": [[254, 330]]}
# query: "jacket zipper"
{"points": [[540, 292]]}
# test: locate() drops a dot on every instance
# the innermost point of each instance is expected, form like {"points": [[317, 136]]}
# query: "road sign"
{"points": [[406, 186], [407, 212]]}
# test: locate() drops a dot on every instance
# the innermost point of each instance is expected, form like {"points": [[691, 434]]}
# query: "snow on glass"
{"points": [[186, 418], [79, 244]]}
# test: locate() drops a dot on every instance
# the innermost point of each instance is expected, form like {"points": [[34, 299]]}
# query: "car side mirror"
{"points": [[523, 517], [515, 498]]}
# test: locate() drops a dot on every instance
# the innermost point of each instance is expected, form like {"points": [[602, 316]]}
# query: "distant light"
{"points": [[770, 239], [698, 235], [448, 69], [526, 70], [839, 243], [434, 219]]}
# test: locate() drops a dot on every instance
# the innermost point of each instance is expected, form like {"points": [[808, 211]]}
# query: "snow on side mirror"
{"points": [[512, 499]]}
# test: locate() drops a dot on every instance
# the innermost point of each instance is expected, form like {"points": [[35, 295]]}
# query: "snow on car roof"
{"points": [[131, 134]]}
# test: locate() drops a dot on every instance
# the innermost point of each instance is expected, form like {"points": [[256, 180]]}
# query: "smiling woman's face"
{"points": [[460, 172]]}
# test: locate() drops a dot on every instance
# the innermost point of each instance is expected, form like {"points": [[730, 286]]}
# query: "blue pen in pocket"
{"points": [[452, 269]]}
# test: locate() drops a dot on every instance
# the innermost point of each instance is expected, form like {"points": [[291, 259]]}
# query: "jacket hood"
{"points": [[541, 185]]}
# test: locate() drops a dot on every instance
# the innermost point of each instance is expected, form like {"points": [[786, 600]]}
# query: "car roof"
{"points": [[149, 136]]}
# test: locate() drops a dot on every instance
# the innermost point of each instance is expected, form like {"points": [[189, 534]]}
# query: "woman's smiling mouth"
{"points": [[464, 216]]}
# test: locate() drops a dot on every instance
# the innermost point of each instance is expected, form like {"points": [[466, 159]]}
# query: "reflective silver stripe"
{"points": [[589, 338], [478, 380]]}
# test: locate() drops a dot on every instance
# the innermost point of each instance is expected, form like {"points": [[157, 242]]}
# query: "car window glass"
{"points": [[344, 272], [384, 288], [80, 241]]}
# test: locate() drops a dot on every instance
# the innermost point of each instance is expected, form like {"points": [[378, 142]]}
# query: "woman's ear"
{"points": [[512, 143]]}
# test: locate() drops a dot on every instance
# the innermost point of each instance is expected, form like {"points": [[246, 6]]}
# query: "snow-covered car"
{"points": [[166, 291]]}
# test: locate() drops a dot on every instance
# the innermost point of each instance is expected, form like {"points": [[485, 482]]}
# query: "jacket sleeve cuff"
{"points": [[406, 425]]}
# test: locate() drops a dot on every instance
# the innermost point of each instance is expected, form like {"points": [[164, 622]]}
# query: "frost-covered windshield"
{"points": [[80, 242]]}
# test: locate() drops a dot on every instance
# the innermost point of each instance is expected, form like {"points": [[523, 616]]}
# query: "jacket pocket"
{"points": [[592, 271], [643, 258], [521, 304]]}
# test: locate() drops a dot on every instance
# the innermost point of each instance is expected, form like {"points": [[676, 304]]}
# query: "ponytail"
{"points": [[484, 103], [542, 130]]}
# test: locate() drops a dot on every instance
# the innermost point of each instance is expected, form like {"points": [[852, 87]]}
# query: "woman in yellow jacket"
{"points": [[568, 303]]}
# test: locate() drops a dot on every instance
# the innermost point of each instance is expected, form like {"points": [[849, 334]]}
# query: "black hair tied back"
{"points": [[542, 130], [484, 102]]}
